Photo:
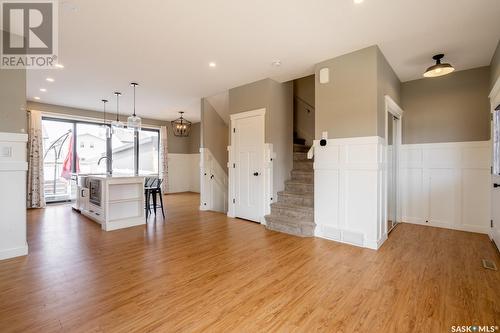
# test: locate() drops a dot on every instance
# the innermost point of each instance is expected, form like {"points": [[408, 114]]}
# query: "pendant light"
{"points": [[105, 128], [181, 126], [117, 124], [439, 69], [133, 121]]}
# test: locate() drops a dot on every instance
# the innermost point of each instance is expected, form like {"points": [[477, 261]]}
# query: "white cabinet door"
{"points": [[248, 139]]}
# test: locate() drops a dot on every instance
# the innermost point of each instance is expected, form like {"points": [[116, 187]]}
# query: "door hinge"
{"points": [[234, 130], [234, 200], [234, 165]]}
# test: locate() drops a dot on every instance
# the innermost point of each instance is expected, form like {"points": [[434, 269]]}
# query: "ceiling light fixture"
{"points": [[357, 2], [36, 97], [43, 90], [117, 125], [181, 126], [105, 128], [59, 66], [49, 79], [439, 69], [212, 64], [133, 121]]}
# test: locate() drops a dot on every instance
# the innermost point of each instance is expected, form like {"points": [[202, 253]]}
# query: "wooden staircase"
{"points": [[293, 213]]}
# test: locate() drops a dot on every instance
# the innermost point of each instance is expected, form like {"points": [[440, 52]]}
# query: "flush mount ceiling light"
{"points": [[358, 1], [439, 69], [43, 90], [181, 126], [212, 64], [49, 79], [117, 124], [133, 121]]}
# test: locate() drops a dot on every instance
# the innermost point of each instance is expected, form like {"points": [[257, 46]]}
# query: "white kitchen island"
{"points": [[115, 202]]}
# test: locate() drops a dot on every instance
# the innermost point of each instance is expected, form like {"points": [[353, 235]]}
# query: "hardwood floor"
{"points": [[202, 271]]}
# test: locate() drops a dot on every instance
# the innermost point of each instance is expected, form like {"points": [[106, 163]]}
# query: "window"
{"points": [[496, 141], [149, 141], [122, 145], [87, 157], [72, 146], [57, 159]]}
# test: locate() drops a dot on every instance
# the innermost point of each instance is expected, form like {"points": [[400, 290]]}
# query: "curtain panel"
{"points": [[164, 159], [35, 184]]}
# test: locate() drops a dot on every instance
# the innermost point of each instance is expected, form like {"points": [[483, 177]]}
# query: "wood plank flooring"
{"points": [[201, 271]]}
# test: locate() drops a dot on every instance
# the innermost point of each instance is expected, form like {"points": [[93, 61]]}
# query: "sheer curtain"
{"points": [[163, 159], [35, 184]]}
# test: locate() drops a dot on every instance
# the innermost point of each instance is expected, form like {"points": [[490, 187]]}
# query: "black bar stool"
{"points": [[152, 190]]}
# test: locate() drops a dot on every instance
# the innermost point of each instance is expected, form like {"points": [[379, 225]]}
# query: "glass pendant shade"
{"points": [[181, 126], [439, 69], [117, 125], [134, 122]]}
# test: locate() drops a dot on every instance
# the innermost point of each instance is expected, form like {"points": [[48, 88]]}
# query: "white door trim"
{"points": [[267, 167], [494, 101], [391, 107], [247, 114]]}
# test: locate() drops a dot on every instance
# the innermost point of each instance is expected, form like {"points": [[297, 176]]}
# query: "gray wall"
{"points": [[277, 99], [387, 84], [347, 105], [182, 144], [451, 108], [176, 145], [195, 139], [214, 133], [303, 108], [495, 66], [252, 96], [13, 101]]}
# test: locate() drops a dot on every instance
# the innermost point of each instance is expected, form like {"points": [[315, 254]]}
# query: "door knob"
{"points": [[495, 185], [255, 173]]}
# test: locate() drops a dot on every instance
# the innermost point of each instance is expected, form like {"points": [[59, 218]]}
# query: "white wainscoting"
{"points": [[214, 186], [349, 191], [183, 173], [447, 185], [13, 167]]}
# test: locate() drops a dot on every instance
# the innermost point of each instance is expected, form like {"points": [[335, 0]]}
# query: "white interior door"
{"points": [[495, 177], [248, 139]]}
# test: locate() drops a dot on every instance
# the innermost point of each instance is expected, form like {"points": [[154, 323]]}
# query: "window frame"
{"points": [[109, 150]]}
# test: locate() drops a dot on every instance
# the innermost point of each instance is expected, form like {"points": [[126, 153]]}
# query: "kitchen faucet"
{"points": [[109, 169]]}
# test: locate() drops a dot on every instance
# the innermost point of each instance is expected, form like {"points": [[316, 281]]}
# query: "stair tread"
{"points": [[302, 171], [297, 193], [288, 221], [283, 205]]}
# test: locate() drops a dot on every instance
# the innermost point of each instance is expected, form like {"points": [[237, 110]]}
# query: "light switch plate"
{"points": [[324, 75]]}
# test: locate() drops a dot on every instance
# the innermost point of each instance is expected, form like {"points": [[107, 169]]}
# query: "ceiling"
{"points": [[167, 45]]}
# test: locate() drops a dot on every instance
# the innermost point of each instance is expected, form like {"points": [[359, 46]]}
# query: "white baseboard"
{"points": [[475, 229], [12, 253]]}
